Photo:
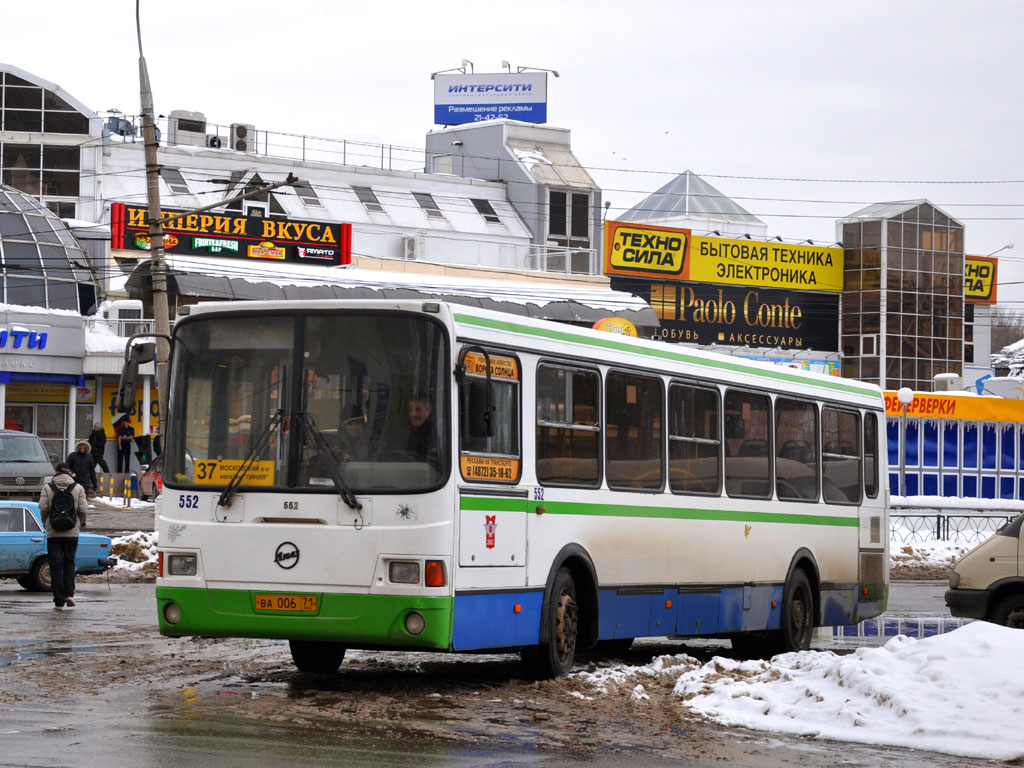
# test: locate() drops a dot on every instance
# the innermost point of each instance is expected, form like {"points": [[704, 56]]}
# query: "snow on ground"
{"points": [[960, 693]]}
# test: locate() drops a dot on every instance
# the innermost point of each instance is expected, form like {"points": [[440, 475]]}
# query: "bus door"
{"points": [[492, 509]]}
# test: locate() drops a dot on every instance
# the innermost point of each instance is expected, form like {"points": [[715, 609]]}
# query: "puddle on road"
{"points": [[9, 657]]}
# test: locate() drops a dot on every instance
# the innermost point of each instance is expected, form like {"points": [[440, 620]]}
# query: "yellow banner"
{"points": [[220, 472], [135, 417], [501, 367], [645, 251], [489, 468], [769, 265], [927, 405], [980, 279], [24, 392]]}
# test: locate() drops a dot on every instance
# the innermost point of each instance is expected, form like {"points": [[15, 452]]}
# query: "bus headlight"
{"points": [[404, 572], [415, 623], [181, 565]]}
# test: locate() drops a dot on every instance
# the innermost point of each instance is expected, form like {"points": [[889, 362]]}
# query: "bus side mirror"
{"points": [[138, 354], [481, 409]]}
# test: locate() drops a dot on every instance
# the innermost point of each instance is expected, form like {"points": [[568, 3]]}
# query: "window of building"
{"points": [[174, 180], [41, 170], [368, 199], [307, 194], [568, 426], [442, 164], [428, 204], [569, 218], [796, 450], [25, 107], [485, 209], [633, 432], [694, 440]]}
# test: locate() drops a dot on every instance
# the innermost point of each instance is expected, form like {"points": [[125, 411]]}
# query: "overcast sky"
{"points": [[922, 91]]}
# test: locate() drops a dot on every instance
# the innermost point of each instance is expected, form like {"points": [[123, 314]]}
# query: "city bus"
{"points": [[425, 475]]}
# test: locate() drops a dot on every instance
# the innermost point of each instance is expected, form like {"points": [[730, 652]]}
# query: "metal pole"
{"points": [[903, 451]]}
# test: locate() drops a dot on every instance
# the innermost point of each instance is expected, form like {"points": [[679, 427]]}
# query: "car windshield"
{"points": [[316, 401], [22, 448]]}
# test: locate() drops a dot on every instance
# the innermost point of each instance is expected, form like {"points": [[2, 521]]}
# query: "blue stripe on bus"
{"points": [[490, 620]]}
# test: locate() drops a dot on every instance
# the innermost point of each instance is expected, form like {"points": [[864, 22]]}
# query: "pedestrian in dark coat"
{"points": [[98, 445], [62, 546], [83, 466]]}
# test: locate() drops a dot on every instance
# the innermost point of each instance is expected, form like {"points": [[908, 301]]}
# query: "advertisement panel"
{"points": [[980, 279], [699, 313], [460, 99], [236, 236], [678, 254], [966, 407]]}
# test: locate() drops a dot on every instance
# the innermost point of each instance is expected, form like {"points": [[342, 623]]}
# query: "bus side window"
{"points": [[748, 419], [694, 440], [633, 432], [796, 450], [871, 455], [568, 426], [841, 458]]}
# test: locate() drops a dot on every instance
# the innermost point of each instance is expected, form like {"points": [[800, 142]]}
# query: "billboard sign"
{"points": [[980, 279], [235, 236], [677, 254], [460, 99]]}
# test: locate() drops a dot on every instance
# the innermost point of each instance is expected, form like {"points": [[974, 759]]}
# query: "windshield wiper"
{"points": [[324, 449], [236, 480]]}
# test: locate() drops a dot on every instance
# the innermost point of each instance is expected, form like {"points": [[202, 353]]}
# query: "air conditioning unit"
{"points": [[186, 128], [243, 137], [413, 247], [213, 141], [124, 317], [948, 382]]}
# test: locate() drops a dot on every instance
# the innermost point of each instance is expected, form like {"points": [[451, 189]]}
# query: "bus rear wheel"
{"points": [[797, 615], [316, 657], [554, 657]]}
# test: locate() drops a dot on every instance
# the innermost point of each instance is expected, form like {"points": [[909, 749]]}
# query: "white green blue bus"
{"points": [[437, 477]]}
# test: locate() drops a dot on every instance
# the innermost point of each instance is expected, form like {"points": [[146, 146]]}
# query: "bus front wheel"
{"points": [[554, 657], [315, 656]]}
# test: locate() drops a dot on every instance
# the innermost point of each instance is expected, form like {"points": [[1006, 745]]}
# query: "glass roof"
{"points": [[43, 264], [688, 195]]}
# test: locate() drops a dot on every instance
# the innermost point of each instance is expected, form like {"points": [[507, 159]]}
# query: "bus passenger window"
{"points": [[495, 458], [871, 455], [568, 426], [841, 456], [796, 446], [633, 435], [694, 440], [748, 470]]}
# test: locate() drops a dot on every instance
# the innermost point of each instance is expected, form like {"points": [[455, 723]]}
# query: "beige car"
{"points": [[988, 582]]}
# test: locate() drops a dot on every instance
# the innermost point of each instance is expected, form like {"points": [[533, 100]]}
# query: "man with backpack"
{"points": [[63, 505]]}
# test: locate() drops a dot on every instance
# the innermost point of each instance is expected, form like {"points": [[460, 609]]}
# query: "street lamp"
{"points": [[906, 396], [1006, 247]]}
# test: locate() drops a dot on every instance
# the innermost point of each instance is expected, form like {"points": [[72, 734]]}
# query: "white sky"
{"points": [[916, 90]]}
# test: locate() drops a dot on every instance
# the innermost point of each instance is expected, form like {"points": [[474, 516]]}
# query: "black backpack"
{"points": [[63, 507]]}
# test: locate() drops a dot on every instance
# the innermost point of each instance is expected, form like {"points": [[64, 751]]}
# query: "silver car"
{"points": [[24, 466]]}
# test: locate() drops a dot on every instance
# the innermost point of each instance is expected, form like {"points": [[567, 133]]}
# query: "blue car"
{"points": [[23, 547]]}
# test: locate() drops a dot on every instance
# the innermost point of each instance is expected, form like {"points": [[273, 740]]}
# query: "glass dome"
{"points": [[43, 264]]}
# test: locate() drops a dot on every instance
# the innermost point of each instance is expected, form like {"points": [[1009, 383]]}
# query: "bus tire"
{"points": [[316, 657], [797, 625], [554, 657], [1009, 612]]}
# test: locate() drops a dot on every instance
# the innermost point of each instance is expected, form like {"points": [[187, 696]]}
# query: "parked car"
{"points": [[24, 466], [23, 547], [150, 483], [988, 582]]}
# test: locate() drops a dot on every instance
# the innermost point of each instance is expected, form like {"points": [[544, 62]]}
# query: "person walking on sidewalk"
{"points": [[62, 546], [98, 445], [83, 466]]}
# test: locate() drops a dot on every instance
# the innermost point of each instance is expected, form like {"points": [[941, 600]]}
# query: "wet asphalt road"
{"points": [[96, 686]]}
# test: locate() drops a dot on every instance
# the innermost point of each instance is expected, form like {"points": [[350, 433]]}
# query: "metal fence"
{"points": [[909, 528]]}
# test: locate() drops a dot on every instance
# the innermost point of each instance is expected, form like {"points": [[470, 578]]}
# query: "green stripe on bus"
{"points": [[354, 619], [613, 343], [490, 504]]}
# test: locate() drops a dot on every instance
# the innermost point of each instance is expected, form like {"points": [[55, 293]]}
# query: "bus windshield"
{"points": [[309, 402]]}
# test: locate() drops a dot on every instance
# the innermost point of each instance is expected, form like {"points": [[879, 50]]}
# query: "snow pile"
{"points": [[135, 552], [960, 693]]}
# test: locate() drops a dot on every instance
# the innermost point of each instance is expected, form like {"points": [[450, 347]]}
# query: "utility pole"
{"points": [[158, 268]]}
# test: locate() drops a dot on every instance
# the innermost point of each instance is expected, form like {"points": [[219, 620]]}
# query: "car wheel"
{"points": [[1009, 612], [316, 657], [38, 579]]}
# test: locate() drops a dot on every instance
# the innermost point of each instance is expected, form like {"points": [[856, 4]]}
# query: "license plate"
{"points": [[300, 603]]}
